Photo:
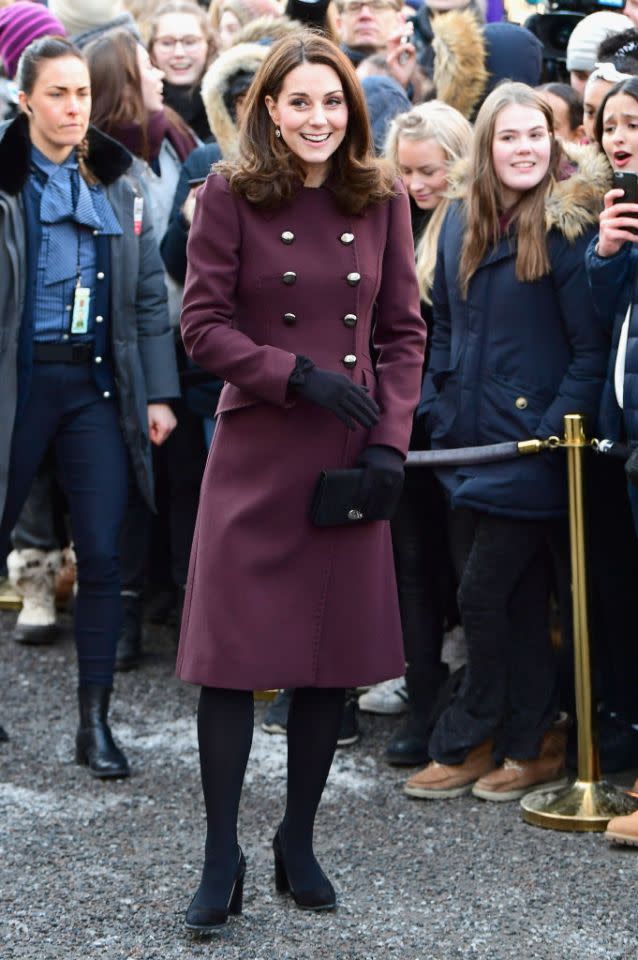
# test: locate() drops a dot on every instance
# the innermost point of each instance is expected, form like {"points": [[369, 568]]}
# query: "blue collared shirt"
{"points": [[72, 213]]}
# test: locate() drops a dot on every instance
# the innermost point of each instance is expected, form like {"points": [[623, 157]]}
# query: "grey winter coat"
{"points": [[143, 352]]}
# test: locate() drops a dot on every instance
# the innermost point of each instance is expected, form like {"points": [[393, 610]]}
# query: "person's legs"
{"points": [[315, 720], [501, 553], [225, 720]]}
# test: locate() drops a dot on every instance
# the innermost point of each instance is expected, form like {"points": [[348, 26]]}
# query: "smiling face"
{"points": [[59, 106], [423, 171], [151, 81], [312, 115], [180, 48], [620, 132], [594, 95], [521, 150]]}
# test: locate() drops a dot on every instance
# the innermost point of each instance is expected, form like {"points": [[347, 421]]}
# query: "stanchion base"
{"points": [[582, 807]]}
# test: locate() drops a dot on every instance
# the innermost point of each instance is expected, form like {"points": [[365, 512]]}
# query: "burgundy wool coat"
{"points": [[272, 601]]}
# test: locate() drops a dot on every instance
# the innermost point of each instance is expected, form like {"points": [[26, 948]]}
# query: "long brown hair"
{"points": [[267, 173], [483, 204], [117, 86]]}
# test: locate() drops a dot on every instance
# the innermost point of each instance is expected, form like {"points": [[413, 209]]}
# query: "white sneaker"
{"points": [[391, 696]]}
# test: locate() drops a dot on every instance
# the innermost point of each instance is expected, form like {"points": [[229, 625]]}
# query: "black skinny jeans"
{"points": [[510, 690]]}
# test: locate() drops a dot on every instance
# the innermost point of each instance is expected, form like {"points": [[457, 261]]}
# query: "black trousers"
{"points": [[510, 689], [66, 412]]}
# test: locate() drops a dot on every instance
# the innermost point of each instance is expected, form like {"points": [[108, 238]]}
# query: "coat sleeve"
{"points": [[580, 388], [609, 281], [399, 332], [208, 315], [440, 342], [155, 338]]}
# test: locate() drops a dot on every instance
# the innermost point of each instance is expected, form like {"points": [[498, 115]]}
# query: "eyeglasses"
{"points": [[356, 6], [166, 44]]}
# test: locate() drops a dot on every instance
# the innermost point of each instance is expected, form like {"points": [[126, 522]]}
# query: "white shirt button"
{"points": [[100, 275], [99, 319], [106, 394], [98, 359]]}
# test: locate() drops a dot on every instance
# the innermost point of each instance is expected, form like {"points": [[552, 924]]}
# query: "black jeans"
{"points": [[510, 690], [425, 580], [65, 410]]}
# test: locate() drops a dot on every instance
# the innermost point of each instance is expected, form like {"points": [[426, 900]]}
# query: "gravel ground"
{"points": [[94, 870]]}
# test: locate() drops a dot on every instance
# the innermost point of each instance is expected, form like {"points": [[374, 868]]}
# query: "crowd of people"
{"points": [[225, 231]]}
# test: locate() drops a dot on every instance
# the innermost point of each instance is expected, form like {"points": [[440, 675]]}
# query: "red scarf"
{"points": [[159, 127]]}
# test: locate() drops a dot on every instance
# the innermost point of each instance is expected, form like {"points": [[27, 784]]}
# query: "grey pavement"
{"points": [[94, 870]]}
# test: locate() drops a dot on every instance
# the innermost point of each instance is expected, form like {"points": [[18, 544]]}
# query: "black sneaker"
{"points": [[349, 732], [276, 719]]}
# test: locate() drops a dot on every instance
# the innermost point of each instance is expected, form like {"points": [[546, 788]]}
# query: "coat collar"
{"points": [[107, 158]]}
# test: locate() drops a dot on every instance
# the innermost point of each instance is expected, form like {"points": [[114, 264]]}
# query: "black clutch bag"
{"points": [[341, 498]]}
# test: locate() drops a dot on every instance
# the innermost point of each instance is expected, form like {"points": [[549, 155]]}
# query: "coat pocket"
{"points": [[442, 414], [509, 410]]}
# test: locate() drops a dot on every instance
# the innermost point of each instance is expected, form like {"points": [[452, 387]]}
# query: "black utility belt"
{"points": [[62, 352]]}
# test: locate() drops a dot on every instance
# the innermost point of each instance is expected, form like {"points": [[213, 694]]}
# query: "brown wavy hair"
{"points": [[267, 173], [117, 87], [483, 205]]}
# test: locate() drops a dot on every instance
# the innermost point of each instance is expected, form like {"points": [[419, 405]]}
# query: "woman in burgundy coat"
{"points": [[300, 260]]}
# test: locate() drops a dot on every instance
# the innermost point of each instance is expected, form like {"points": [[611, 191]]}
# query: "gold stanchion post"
{"points": [[589, 803]]}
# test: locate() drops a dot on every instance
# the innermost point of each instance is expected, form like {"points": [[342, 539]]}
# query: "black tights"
{"points": [[225, 722]]}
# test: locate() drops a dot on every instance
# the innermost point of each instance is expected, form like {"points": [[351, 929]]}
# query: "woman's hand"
{"points": [[189, 204], [401, 55], [617, 225], [161, 422]]}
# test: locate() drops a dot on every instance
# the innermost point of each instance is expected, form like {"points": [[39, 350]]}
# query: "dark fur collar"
{"points": [[107, 158]]}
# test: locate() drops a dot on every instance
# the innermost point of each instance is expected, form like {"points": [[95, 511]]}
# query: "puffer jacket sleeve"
{"points": [[208, 315], [609, 281], [399, 332], [580, 388], [155, 338]]}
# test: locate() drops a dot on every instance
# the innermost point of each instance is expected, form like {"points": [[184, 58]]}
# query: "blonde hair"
{"points": [[483, 204], [449, 129]]}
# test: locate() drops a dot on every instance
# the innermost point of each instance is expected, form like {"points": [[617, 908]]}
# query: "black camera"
{"points": [[554, 29]]}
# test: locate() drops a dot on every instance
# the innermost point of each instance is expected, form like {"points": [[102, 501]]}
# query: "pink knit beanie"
{"points": [[20, 24]]}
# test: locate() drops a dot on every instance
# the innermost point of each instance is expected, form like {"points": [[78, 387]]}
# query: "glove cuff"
{"points": [[297, 378]]}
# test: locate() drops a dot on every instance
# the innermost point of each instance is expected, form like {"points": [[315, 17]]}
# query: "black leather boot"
{"points": [[94, 744], [409, 746], [129, 646]]}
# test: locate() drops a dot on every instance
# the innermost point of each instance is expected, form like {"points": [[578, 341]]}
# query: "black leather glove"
{"points": [[349, 402], [382, 479], [631, 467]]}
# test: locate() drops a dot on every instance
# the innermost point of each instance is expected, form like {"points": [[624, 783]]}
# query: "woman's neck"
{"points": [[56, 154]]}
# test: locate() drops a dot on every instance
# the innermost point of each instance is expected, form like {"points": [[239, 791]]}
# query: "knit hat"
{"points": [[80, 16], [588, 34], [20, 24], [512, 52]]}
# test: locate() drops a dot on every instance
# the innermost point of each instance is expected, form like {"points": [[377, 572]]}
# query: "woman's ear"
{"points": [[271, 107], [22, 100]]}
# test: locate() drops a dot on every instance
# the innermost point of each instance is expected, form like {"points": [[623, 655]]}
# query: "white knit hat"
{"points": [[587, 36], [80, 15]]}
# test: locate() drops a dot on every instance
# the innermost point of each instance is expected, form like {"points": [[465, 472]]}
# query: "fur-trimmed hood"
{"points": [[244, 58], [460, 76], [107, 158], [573, 204]]}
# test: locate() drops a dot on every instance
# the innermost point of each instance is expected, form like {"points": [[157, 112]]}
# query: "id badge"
{"points": [[138, 215], [81, 305]]}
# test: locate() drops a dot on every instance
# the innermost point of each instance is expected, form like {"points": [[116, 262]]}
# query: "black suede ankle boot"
{"points": [[410, 744], [94, 744], [129, 645]]}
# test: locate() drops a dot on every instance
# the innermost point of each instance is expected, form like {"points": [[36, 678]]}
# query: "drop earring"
{"points": [[278, 133]]}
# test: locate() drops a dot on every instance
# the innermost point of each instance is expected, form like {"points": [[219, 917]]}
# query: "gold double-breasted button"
{"points": [[289, 277], [346, 238], [287, 236], [350, 320], [521, 403], [353, 278], [290, 319], [350, 361]]}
